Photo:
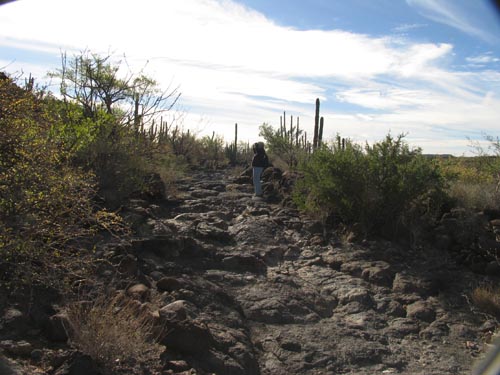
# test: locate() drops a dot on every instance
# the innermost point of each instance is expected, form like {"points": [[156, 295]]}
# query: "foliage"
{"points": [[402, 180], [473, 181], [284, 144], [108, 120], [468, 169], [489, 157], [97, 83], [382, 187], [213, 151], [473, 196], [45, 203], [333, 183]]}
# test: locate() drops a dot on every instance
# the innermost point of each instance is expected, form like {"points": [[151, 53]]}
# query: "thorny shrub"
{"points": [[473, 181], [113, 330], [45, 202], [487, 299], [386, 188]]}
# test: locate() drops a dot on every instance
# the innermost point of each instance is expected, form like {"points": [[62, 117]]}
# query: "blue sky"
{"points": [[426, 68]]}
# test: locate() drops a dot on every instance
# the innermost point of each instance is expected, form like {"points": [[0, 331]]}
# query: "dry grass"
{"points": [[475, 196], [487, 299], [113, 330]]}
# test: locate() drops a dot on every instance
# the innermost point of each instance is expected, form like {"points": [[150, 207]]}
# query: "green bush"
{"points": [[45, 202], [385, 187], [333, 183], [474, 181], [285, 146], [403, 181]]}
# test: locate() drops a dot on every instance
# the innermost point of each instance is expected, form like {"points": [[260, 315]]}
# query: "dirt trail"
{"points": [[274, 298], [245, 286]]}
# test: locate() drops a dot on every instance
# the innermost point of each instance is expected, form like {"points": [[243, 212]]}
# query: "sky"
{"points": [[429, 69]]}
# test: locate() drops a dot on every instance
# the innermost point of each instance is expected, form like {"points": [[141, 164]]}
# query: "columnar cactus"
{"points": [[320, 134], [235, 156], [316, 125]]}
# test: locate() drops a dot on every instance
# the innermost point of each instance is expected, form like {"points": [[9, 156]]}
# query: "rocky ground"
{"points": [[249, 286]]}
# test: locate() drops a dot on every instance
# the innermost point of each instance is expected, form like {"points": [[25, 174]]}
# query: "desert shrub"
{"points": [[45, 202], [286, 147], [111, 121], [402, 183], [213, 153], [487, 299], [473, 181], [383, 187], [474, 197], [113, 330], [118, 158], [334, 184], [466, 169]]}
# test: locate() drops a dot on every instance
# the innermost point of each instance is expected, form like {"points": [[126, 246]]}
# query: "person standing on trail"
{"points": [[259, 163]]}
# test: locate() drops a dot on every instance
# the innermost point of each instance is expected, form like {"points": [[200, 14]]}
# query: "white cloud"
{"points": [[235, 65], [18, 69], [389, 98], [407, 27], [487, 58], [449, 13]]}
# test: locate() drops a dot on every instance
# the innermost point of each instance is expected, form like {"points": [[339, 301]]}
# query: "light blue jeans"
{"points": [[257, 171]]}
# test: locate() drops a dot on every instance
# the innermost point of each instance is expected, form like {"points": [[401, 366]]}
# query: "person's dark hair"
{"points": [[258, 147]]}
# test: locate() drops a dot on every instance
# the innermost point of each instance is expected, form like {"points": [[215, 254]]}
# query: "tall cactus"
{"points": [[235, 154], [297, 133], [320, 134], [316, 126]]}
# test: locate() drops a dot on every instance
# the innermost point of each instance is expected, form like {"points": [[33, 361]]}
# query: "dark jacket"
{"points": [[260, 159]]}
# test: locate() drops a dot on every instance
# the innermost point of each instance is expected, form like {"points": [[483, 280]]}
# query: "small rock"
{"points": [[188, 336], [493, 268], [55, 329], [489, 326], [462, 331], [36, 355], [168, 284], [13, 319], [244, 263], [292, 346], [435, 331], [359, 295], [317, 240], [443, 241], [156, 275], [177, 366], [175, 311], [351, 308], [334, 261], [394, 308], [79, 365], [421, 310], [204, 193], [408, 284], [18, 348], [128, 265], [378, 274], [401, 327], [138, 291]]}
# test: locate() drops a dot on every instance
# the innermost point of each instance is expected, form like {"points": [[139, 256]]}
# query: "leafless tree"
{"points": [[100, 84]]}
